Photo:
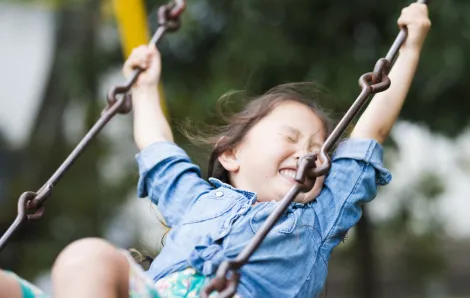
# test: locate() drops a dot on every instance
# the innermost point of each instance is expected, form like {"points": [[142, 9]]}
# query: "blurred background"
{"points": [[59, 58]]}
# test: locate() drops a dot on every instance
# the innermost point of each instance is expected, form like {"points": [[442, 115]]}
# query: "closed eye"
{"points": [[291, 139]]}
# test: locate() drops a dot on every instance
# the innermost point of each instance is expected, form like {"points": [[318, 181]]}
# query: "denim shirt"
{"points": [[213, 221]]}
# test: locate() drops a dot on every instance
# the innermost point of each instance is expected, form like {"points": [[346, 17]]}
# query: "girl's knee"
{"points": [[9, 286], [92, 263], [86, 254]]}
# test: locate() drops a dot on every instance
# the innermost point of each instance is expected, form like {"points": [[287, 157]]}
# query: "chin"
{"points": [[301, 197]]}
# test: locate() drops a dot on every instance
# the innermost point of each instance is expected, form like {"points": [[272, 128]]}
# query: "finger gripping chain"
{"points": [[168, 20]]}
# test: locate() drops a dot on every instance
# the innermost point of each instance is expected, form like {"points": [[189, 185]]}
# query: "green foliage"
{"points": [[255, 45], [83, 201]]}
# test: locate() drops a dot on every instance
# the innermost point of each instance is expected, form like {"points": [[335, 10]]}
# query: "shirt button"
{"points": [[219, 194]]}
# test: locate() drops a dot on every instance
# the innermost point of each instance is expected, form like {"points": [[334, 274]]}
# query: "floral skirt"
{"points": [[187, 283]]}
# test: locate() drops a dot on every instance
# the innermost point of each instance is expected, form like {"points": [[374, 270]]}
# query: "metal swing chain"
{"points": [[31, 204], [228, 274]]}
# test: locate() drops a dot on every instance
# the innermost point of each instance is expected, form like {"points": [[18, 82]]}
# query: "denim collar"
{"points": [[248, 194]]}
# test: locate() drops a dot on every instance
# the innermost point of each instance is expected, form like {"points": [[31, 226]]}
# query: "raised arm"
{"points": [[382, 112], [150, 124]]}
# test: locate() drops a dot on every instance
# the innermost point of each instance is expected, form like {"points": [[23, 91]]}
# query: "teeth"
{"points": [[288, 173]]}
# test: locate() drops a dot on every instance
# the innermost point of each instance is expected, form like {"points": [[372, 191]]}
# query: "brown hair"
{"points": [[236, 126]]}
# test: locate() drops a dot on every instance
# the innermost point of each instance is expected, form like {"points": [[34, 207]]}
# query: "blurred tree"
{"points": [[255, 45], [417, 242], [73, 81]]}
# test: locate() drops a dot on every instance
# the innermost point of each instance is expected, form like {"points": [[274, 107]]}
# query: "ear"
{"points": [[229, 160]]}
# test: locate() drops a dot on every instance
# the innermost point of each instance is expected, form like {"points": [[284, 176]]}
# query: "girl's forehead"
{"points": [[295, 116], [307, 124], [291, 105], [295, 113]]}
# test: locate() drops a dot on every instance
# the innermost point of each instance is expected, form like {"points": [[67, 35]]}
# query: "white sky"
{"points": [[26, 37]]}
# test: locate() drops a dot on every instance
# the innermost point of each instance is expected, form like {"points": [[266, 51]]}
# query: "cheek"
{"points": [[265, 148], [262, 161]]}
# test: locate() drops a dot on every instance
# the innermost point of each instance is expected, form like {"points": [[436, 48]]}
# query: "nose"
{"points": [[300, 152]]}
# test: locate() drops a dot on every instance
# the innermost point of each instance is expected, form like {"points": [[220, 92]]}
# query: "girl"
{"points": [[252, 167]]}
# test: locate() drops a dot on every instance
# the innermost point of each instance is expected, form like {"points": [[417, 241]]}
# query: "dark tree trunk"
{"points": [[366, 270]]}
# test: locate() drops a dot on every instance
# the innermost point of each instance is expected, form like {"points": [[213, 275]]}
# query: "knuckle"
{"points": [[424, 23]]}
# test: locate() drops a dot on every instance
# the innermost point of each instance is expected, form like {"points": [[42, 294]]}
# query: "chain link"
{"points": [[31, 204], [228, 274], [168, 20]]}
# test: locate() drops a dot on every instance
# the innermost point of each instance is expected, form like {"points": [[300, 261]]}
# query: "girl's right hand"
{"points": [[415, 18], [146, 58]]}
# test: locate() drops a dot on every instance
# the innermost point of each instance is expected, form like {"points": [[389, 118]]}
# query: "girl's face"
{"points": [[265, 162]]}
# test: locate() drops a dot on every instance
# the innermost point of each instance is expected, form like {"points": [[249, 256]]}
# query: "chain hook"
{"points": [[380, 69], [169, 15], [228, 276], [307, 172], [30, 204], [305, 176], [168, 20], [225, 286]]}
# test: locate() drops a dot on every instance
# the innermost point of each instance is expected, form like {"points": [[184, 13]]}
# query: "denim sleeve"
{"points": [[169, 179], [356, 172]]}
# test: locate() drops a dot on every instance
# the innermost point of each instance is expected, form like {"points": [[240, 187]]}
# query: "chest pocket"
{"points": [[211, 205], [285, 225]]}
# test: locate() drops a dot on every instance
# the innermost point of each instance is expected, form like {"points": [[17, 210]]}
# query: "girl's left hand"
{"points": [[415, 18]]}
